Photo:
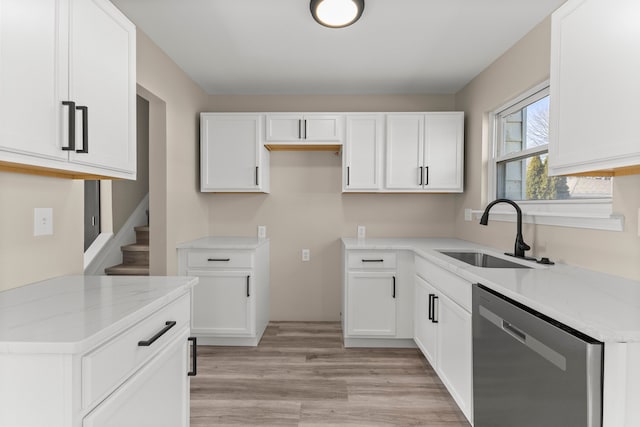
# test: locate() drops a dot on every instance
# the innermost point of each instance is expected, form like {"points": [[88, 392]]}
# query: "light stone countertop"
{"points": [[228, 243], [71, 314], [603, 306]]}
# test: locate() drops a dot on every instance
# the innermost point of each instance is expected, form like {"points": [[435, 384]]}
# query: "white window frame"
{"points": [[585, 213]]}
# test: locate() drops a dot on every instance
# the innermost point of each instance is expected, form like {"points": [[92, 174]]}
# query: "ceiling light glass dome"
{"points": [[336, 13]]}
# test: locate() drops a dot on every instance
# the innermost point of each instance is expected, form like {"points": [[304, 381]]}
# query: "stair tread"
{"points": [[141, 228], [127, 270], [136, 247]]}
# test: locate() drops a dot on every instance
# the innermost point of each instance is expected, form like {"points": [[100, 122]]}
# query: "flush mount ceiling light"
{"points": [[336, 13]]}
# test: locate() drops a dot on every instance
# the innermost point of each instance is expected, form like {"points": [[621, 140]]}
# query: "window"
{"points": [[518, 171], [521, 161]]}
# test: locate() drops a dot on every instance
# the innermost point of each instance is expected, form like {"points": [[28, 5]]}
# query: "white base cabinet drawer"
{"points": [[156, 396], [219, 259], [108, 365], [371, 260]]}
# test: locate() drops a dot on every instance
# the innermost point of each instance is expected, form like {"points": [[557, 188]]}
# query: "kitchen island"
{"points": [[96, 351]]}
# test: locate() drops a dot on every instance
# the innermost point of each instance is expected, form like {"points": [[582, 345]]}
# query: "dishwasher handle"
{"points": [[513, 331]]}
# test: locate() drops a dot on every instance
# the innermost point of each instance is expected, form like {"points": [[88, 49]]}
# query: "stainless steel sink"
{"points": [[479, 259]]}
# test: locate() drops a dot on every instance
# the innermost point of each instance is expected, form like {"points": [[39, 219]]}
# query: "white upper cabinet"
{"points": [[405, 147], [425, 152], [443, 151], [298, 128], [82, 53], [594, 87], [362, 153], [32, 79], [232, 156]]}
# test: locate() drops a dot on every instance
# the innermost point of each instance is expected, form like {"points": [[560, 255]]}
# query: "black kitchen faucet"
{"points": [[520, 246]]}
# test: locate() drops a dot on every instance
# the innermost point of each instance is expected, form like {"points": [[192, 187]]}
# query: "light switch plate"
{"points": [[42, 221], [306, 255], [262, 232], [362, 231]]}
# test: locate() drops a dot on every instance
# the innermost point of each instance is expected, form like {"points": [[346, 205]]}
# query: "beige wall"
{"points": [[126, 195], [24, 258], [520, 68], [306, 208], [178, 211]]}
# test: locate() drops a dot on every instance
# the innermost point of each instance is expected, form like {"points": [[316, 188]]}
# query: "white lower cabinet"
{"points": [[377, 299], [371, 304], [157, 395], [442, 331], [230, 305], [222, 304]]}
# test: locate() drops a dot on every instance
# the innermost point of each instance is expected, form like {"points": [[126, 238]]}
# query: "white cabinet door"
{"points": [[443, 152], [454, 357], [594, 87], [362, 153], [223, 303], [322, 128], [371, 304], [33, 77], [405, 145], [103, 79], [156, 396], [424, 326], [298, 127], [230, 152], [284, 127]]}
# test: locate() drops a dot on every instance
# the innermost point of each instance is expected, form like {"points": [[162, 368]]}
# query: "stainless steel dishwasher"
{"points": [[529, 370]]}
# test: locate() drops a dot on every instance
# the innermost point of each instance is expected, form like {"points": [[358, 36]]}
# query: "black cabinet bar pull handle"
{"points": [[257, 169], [219, 259], [348, 176], [305, 129], [431, 306], [426, 181], [248, 293], [85, 129], [299, 129], [372, 260], [420, 175], [194, 357], [169, 324], [394, 287], [435, 309], [72, 125]]}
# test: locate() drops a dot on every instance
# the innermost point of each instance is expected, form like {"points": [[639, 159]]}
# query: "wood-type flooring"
{"points": [[301, 375]]}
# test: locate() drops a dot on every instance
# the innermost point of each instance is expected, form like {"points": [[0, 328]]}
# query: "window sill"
{"points": [[594, 216]]}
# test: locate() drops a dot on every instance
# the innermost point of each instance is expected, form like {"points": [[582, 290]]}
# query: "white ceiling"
{"points": [[275, 46]]}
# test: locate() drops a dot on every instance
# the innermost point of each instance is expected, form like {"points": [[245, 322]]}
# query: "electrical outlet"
{"points": [[306, 255], [362, 231], [262, 232], [42, 221], [468, 215]]}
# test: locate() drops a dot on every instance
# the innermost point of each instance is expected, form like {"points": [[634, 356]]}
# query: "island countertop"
{"points": [[70, 314]]}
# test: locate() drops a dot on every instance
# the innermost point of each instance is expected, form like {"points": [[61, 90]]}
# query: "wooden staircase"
{"points": [[135, 257]]}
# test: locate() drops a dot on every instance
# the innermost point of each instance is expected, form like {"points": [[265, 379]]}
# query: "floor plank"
{"points": [[301, 375]]}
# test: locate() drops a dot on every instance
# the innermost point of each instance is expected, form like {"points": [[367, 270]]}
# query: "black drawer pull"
{"points": [[431, 306], [85, 129], [394, 287], [169, 324], [248, 293], [194, 357], [372, 260], [219, 259], [72, 125]]}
